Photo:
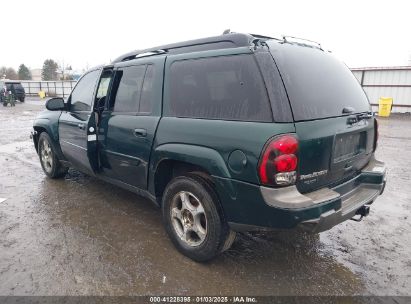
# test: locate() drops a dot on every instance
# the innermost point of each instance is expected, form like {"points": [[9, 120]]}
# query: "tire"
{"points": [[193, 218], [48, 158], [22, 99]]}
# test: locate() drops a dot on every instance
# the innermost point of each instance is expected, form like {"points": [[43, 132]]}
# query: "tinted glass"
{"points": [[15, 87], [147, 91], [275, 87], [226, 87], [318, 85], [130, 80], [82, 95]]}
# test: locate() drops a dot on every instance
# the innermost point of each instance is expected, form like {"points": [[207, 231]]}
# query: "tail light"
{"points": [[278, 163], [375, 134]]}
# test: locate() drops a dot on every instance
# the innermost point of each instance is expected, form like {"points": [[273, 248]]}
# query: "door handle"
{"points": [[140, 132], [81, 126]]}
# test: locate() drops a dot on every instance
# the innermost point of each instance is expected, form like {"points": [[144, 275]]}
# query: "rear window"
{"points": [[226, 88], [318, 85], [14, 86]]}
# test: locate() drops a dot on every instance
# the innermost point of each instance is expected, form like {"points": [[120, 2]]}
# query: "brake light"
{"points": [[285, 163], [375, 134], [279, 161]]}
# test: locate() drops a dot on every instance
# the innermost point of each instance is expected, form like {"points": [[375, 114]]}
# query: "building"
{"points": [[392, 82], [36, 74]]}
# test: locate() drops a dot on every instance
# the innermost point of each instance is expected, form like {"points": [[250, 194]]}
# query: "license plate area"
{"points": [[349, 145]]}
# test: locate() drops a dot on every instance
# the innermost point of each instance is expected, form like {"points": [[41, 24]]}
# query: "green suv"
{"points": [[231, 133]]}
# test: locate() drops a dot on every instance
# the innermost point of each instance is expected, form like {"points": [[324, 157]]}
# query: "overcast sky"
{"points": [[87, 33]]}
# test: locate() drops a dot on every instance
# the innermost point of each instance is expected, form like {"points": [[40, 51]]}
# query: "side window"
{"points": [[103, 86], [82, 95], [226, 87], [127, 95], [146, 101]]}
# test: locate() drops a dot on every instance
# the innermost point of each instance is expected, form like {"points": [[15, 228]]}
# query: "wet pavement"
{"points": [[82, 236]]}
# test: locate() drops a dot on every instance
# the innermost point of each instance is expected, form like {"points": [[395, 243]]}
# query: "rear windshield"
{"points": [[318, 85], [15, 86]]}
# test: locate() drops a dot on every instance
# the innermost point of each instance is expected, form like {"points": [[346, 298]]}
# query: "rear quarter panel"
{"points": [[217, 139]]}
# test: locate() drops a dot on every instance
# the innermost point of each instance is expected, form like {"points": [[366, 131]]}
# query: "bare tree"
{"points": [[8, 73]]}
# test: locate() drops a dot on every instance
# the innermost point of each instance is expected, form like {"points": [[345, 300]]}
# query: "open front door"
{"points": [[78, 125]]}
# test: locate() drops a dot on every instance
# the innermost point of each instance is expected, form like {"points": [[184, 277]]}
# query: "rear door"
{"points": [[129, 123], [331, 114], [77, 125]]}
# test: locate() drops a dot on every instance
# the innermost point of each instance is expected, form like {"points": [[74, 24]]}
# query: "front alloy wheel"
{"points": [[48, 158]]}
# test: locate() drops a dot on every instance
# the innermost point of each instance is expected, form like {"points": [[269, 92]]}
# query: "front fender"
{"points": [[48, 121], [48, 126]]}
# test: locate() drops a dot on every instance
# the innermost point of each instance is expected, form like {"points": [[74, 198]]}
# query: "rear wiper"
{"points": [[366, 115], [354, 119], [348, 110]]}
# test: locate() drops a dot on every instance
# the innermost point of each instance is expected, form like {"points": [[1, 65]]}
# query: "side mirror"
{"points": [[55, 104]]}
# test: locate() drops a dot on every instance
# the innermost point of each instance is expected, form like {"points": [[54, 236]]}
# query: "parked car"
{"points": [[230, 133], [14, 87]]}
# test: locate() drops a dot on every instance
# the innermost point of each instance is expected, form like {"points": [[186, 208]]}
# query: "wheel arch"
{"points": [[172, 160], [43, 125]]}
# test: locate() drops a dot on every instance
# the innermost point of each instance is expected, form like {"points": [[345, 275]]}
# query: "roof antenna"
{"points": [[227, 31]]}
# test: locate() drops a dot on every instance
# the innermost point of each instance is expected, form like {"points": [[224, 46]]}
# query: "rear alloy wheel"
{"points": [[194, 219], [188, 218], [48, 158]]}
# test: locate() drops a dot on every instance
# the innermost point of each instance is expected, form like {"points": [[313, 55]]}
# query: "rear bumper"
{"points": [[286, 208], [363, 195]]}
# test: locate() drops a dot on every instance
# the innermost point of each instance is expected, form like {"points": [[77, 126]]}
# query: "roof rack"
{"points": [[151, 53], [227, 40], [262, 36], [311, 43], [216, 42]]}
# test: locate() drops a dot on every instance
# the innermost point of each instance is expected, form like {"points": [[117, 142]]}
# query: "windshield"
{"points": [[318, 85]]}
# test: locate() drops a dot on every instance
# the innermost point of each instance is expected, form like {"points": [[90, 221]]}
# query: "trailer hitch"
{"points": [[363, 211]]}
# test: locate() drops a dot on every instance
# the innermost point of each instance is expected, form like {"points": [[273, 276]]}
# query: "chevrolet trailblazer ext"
{"points": [[230, 133]]}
